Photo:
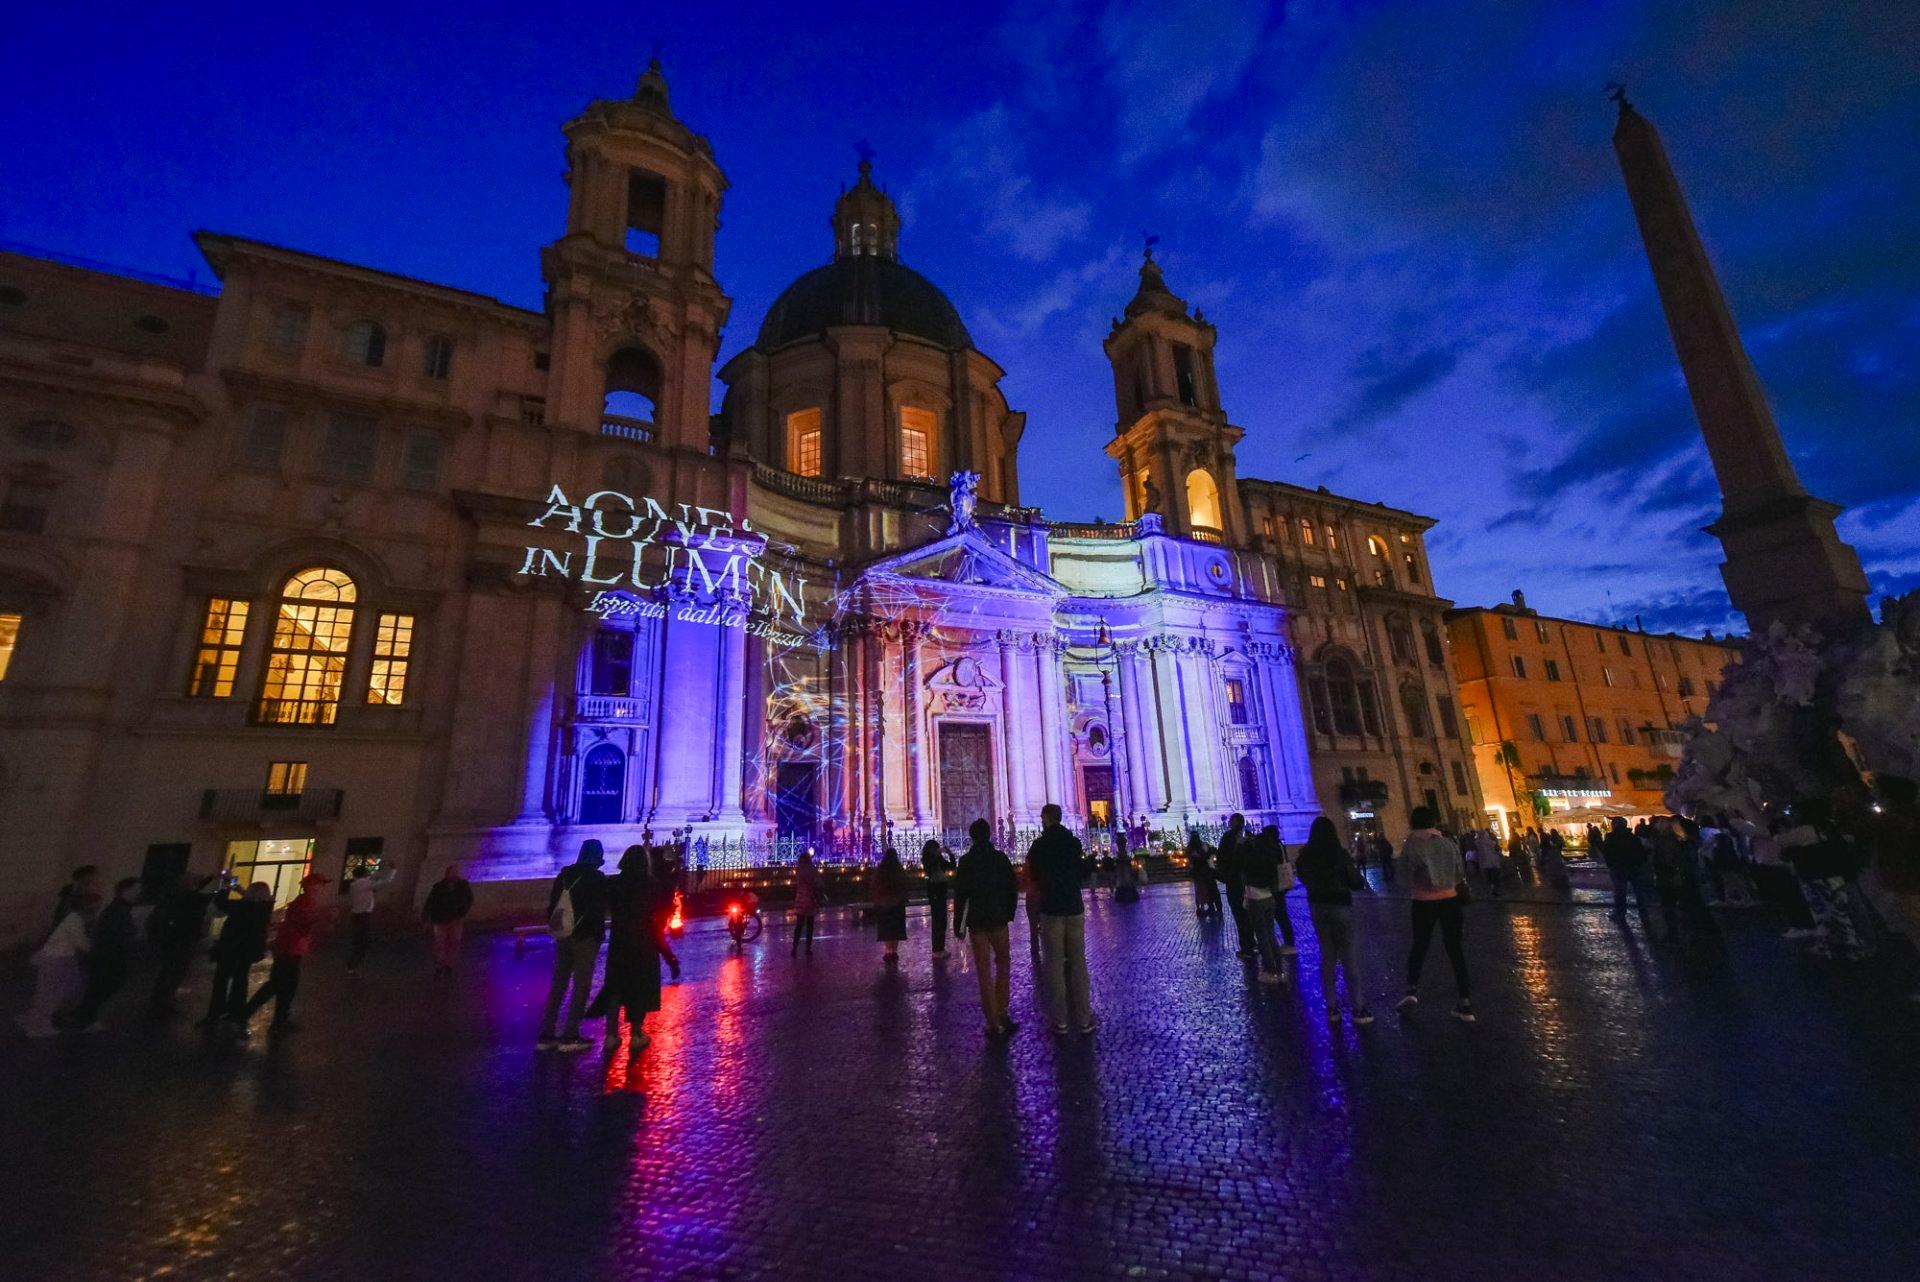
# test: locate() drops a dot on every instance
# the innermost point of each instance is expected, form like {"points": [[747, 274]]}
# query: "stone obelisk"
{"points": [[1785, 561]]}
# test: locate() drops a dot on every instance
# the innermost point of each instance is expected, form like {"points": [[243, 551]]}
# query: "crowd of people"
{"points": [[1671, 870]]}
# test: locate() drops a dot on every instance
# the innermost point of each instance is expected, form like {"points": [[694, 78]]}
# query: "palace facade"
{"points": [[283, 583]]}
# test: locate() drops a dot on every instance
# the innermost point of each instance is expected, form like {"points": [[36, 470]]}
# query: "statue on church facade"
{"points": [[962, 498]]}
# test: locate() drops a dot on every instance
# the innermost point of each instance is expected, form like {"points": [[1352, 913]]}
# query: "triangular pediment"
{"points": [[965, 559]]}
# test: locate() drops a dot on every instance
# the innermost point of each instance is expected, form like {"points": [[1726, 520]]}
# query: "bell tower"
{"points": [[1172, 440], [636, 311]]}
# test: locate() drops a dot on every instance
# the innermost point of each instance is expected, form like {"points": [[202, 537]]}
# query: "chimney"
{"points": [[1519, 599]]}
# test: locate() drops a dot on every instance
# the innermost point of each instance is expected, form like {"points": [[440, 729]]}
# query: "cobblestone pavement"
{"points": [[1687, 1111]]}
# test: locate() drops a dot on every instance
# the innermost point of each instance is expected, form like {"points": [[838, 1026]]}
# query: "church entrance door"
{"points": [[966, 777], [796, 799], [1098, 781]]}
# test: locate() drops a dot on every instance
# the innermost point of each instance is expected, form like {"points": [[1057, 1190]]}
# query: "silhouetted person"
{"points": [[1631, 868], [1058, 865], [808, 892], [81, 891], [305, 920], [939, 871], [59, 967], [887, 888], [633, 951], [177, 928], [577, 921], [1331, 876], [445, 913], [1231, 868], [363, 896], [111, 956], [986, 895], [242, 942], [1206, 888]]}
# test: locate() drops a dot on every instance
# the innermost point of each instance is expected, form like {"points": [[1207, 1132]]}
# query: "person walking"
{"points": [[1629, 867], [808, 891], [1259, 875], [939, 871], [986, 894], [1057, 863], [177, 927], [111, 956], [577, 921], [1437, 876], [305, 920], [363, 892], [633, 952], [1331, 876], [887, 888], [242, 942], [445, 913], [1230, 862], [59, 967]]}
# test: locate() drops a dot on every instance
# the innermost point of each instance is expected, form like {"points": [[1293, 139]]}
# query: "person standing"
{"points": [[59, 967], [1629, 867], [939, 870], [1259, 874], [445, 912], [1206, 890], [81, 893], [577, 921], [633, 952], [887, 887], [177, 927], [986, 894], [1436, 874], [305, 920], [1057, 863], [363, 891], [807, 894], [242, 942], [1230, 864], [1331, 876], [108, 961]]}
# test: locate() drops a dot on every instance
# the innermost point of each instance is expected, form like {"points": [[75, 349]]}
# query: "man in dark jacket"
{"points": [[986, 895], [577, 920], [1629, 866], [114, 936], [445, 912], [1058, 865], [242, 942], [1231, 866], [177, 927]]}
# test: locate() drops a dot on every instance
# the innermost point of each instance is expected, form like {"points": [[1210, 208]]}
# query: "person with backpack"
{"points": [[577, 921], [986, 894], [445, 913], [1437, 876], [1330, 876]]}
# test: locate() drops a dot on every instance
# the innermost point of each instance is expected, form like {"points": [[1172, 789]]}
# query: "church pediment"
{"points": [[963, 560]]}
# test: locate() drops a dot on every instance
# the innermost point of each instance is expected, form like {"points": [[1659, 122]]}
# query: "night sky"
{"points": [[1405, 219]]}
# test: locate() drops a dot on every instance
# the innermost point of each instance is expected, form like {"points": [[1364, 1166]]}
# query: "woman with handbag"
{"points": [[1438, 878]]}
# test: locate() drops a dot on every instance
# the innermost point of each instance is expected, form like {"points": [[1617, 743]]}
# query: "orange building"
{"points": [[1572, 722]]}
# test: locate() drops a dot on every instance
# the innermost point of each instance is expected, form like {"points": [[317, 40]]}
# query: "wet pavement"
{"points": [[1730, 1111]]}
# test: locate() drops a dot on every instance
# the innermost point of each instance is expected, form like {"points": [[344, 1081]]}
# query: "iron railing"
{"points": [[262, 804], [627, 429]]}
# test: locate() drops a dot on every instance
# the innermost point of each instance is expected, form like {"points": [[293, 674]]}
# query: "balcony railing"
{"points": [[1093, 530], [627, 429], [261, 805], [295, 712], [605, 707], [1205, 534]]}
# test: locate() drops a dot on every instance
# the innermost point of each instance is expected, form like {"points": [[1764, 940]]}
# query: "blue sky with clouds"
{"points": [[1405, 219]]}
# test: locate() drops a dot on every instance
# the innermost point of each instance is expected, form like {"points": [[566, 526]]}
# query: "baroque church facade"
{"points": [[290, 577]]}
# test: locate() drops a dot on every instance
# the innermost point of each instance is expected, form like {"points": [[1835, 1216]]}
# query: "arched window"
{"points": [[1377, 546], [312, 628], [602, 783], [366, 344], [1306, 532], [1414, 704], [1343, 701], [1249, 783], [632, 396], [803, 442], [1203, 500]]}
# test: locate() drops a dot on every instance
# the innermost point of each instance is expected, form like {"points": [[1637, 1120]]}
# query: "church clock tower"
{"points": [[1172, 440], [636, 311]]}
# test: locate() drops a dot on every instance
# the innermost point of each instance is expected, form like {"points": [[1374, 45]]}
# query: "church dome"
{"points": [[864, 289]]}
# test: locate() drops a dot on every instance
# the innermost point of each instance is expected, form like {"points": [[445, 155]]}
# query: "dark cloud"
{"points": [[1385, 383]]}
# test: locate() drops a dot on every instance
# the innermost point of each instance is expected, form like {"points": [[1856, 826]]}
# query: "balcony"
{"points": [[1205, 534], [1363, 792], [627, 429], [605, 707], [256, 805]]}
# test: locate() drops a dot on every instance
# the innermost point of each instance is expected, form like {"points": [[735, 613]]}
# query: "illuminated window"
{"points": [[438, 363], [1606, 675], [1236, 701], [421, 467], [803, 442], [1203, 500], [1413, 568], [916, 441], [281, 863], [366, 344], [347, 453], [286, 778], [218, 656], [9, 638], [1376, 545], [312, 628], [392, 653], [265, 440], [1306, 532], [1318, 580], [1333, 540]]}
